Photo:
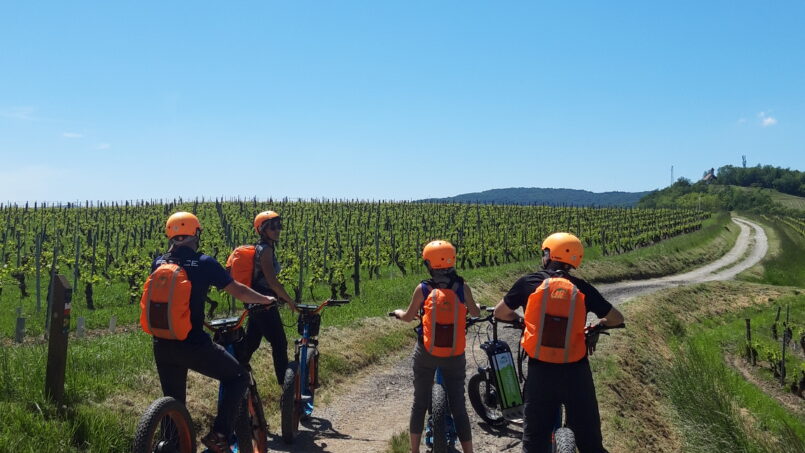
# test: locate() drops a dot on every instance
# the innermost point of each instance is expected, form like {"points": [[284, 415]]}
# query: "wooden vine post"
{"points": [[61, 295], [356, 275]]}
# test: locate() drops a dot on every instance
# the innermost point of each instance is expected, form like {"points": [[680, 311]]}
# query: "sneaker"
{"points": [[307, 406], [216, 443]]}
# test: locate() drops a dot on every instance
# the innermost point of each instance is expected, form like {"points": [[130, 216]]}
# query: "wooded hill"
{"points": [[755, 189], [545, 196]]}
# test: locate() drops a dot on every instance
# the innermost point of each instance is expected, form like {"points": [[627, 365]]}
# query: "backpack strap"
{"points": [[424, 287], [460, 291], [256, 268]]}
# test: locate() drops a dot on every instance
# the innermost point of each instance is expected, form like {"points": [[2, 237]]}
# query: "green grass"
{"points": [[784, 199], [710, 395], [97, 369], [664, 384], [111, 379], [786, 267], [399, 443]]}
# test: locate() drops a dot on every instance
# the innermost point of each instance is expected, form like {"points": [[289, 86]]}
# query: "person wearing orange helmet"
{"points": [[441, 340], [197, 351], [556, 304], [267, 323]]}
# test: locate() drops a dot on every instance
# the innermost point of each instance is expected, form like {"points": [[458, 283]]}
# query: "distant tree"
{"points": [[782, 179]]}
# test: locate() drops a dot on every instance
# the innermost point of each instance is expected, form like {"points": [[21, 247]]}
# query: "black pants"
{"points": [[548, 385], [267, 323], [174, 358]]}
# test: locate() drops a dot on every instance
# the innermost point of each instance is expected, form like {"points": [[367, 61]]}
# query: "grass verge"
{"points": [[663, 384], [785, 262]]}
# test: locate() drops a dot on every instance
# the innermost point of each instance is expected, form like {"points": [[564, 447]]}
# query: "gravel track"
{"points": [[377, 404]]}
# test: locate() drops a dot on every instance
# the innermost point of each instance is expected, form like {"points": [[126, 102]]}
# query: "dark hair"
{"points": [[443, 278], [557, 266]]}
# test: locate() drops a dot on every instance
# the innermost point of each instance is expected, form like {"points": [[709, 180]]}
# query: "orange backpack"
{"points": [[240, 264], [555, 317], [165, 304], [444, 321]]}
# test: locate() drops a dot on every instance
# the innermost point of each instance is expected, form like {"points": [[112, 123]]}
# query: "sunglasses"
{"points": [[273, 224]]}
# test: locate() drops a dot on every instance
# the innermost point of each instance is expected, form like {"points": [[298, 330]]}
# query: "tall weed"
{"points": [[703, 391]]}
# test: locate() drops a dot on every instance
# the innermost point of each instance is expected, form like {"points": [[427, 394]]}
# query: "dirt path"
{"points": [[376, 405], [750, 247]]}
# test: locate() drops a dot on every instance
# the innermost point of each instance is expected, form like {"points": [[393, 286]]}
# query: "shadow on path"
{"points": [[311, 439]]}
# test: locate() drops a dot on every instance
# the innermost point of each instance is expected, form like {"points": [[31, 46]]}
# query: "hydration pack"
{"points": [[165, 303], [240, 264], [444, 321], [555, 317]]}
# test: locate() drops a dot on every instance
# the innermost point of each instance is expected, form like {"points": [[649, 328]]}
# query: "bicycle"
{"points": [[166, 426], [497, 404], [563, 439], [440, 428], [302, 375], [251, 422]]}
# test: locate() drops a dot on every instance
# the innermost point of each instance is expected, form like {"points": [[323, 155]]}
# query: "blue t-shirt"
{"points": [[203, 271]]}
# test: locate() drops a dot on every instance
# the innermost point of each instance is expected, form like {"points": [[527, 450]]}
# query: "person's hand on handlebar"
{"points": [[270, 300], [592, 340], [398, 313]]}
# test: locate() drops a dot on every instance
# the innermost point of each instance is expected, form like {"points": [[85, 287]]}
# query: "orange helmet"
{"points": [[565, 248], [439, 254], [263, 217], [182, 224]]}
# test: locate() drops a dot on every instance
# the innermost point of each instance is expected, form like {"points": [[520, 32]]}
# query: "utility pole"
{"points": [[672, 175]]}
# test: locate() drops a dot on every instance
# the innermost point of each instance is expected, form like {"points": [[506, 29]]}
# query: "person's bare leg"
{"points": [[466, 446]]}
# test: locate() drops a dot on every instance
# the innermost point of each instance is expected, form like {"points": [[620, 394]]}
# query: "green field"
{"points": [[784, 199], [337, 246]]}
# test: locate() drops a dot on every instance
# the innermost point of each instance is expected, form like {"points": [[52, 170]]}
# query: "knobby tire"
{"points": [[166, 420], [439, 412], [251, 430], [565, 441], [477, 390], [289, 408]]}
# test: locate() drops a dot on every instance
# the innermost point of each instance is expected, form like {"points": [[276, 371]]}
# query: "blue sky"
{"points": [[391, 99]]}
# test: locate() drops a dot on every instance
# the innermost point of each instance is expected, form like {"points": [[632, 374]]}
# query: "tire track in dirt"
{"points": [[376, 406]]}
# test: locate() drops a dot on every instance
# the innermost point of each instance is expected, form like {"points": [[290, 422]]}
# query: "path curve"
{"points": [[377, 404], [750, 247]]}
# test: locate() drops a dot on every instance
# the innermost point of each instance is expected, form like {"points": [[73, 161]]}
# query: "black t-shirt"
{"points": [[518, 295], [203, 271]]}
